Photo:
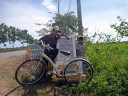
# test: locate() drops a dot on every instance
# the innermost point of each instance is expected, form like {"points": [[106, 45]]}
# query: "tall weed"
{"points": [[110, 64]]}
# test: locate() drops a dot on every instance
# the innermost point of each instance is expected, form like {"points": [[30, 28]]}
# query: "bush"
{"points": [[110, 63]]}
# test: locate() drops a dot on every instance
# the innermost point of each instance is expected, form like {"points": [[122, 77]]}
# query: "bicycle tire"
{"points": [[30, 72], [78, 71]]}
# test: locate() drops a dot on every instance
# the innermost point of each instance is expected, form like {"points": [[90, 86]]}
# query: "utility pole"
{"points": [[58, 7], [58, 1], [79, 17]]}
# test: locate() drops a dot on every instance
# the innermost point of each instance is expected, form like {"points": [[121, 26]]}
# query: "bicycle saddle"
{"points": [[66, 53]]}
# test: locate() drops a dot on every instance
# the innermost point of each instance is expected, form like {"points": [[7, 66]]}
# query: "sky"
{"points": [[97, 15]]}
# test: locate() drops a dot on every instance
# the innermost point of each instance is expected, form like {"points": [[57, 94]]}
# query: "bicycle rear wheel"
{"points": [[78, 71], [30, 71]]}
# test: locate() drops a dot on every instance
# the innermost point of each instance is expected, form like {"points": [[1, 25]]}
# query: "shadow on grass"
{"points": [[46, 88]]}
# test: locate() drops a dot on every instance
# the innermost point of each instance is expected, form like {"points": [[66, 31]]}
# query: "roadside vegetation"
{"points": [[110, 63], [2, 50]]}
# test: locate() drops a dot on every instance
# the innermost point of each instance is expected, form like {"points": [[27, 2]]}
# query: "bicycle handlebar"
{"points": [[46, 46]]}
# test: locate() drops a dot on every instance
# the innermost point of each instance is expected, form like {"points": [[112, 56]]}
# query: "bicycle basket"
{"points": [[34, 51]]}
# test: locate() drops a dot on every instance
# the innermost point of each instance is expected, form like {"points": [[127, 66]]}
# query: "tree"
{"points": [[3, 33], [23, 36], [29, 39], [68, 23], [12, 35], [122, 27]]}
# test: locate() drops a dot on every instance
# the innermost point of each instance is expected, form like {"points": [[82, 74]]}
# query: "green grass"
{"points": [[110, 64], [2, 50]]}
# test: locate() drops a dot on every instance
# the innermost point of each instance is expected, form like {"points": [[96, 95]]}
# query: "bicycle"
{"points": [[74, 72]]}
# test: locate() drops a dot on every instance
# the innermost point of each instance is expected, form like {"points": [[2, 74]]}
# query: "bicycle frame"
{"points": [[52, 63]]}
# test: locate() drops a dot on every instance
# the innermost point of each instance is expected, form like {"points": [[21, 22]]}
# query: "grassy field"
{"points": [[110, 63]]}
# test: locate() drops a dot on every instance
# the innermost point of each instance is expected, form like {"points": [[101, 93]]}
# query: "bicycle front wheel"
{"points": [[78, 71], [30, 71]]}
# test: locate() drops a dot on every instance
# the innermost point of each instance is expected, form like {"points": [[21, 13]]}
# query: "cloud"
{"points": [[101, 21], [48, 4], [23, 16]]}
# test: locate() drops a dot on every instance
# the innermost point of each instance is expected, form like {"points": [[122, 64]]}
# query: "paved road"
{"points": [[14, 53]]}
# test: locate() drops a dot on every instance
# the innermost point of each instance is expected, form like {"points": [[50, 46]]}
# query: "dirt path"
{"points": [[3, 87], [7, 71], [9, 86]]}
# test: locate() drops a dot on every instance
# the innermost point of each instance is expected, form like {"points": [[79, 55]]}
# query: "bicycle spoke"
{"points": [[73, 68], [29, 72], [81, 74]]}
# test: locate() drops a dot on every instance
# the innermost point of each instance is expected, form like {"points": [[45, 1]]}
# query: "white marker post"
{"points": [[64, 44]]}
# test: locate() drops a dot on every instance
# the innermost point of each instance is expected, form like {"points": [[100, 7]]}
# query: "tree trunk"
{"points": [[13, 44], [23, 44]]}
